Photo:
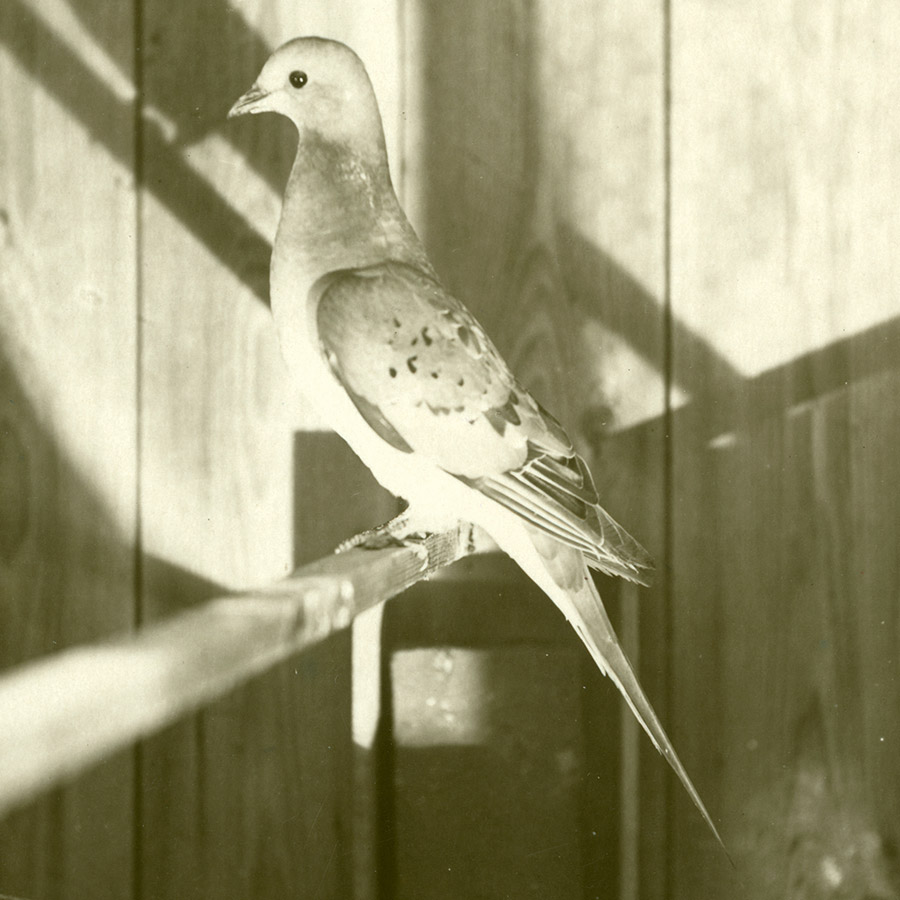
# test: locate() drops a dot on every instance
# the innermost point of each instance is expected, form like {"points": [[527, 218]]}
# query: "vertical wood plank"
{"points": [[67, 421], [216, 478], [600, 88], [785, 561], [470, 187], [251, 797], [540, 197], [335, 496]]}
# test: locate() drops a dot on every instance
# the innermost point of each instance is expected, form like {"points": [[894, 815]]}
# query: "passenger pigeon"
{"points": [[403, 372]]}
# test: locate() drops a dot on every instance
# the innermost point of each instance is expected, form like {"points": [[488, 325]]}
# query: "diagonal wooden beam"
{"points": [[68, 711]]}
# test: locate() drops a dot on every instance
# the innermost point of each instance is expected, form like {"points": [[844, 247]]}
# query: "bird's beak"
{"points": [[251, 102]]}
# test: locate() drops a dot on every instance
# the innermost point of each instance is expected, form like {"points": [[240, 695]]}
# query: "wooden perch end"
{"points": [[70, 710]]}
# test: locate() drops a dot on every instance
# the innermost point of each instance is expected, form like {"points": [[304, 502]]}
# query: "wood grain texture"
{"points": [[254, 787], [539, 189], [67, 424], [599, 79], [216, 416], [472, 191], [785, 559]]}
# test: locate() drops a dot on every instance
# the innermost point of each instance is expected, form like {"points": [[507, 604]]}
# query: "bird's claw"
{"points": [[384, 537], [369, 540]]}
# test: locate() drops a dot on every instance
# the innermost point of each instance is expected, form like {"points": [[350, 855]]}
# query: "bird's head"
{"points": [[321, 86]]}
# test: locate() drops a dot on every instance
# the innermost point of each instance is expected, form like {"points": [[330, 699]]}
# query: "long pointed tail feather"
{"points": [[590, 620], [562, 573]]}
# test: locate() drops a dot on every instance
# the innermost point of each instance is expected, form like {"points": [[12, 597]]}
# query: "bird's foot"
{"points": [[395, 533]]}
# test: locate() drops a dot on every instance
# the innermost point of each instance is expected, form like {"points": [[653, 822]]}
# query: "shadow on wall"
{"points": [[52, 521], [185, 77], [164, 172], [66, 572], [592, 282], [67, 576], [757, 489], [498, 744], [479, 202]]}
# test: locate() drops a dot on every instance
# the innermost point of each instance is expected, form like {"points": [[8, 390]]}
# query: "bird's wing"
{"points": [[427, 379]]}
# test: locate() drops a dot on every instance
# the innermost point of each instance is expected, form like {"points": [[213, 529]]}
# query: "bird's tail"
{"points": [[562, 573]]}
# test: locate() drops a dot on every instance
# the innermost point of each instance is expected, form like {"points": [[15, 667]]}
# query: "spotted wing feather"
{"points": [[426, 377]]}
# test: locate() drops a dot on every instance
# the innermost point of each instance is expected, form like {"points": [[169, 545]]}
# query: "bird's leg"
{"points": [[399, 532]]}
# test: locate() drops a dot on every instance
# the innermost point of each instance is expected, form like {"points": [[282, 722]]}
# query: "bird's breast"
{"points": [[407, 475]]}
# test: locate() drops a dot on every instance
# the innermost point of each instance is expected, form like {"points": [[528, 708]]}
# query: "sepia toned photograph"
{"points": [[449, 450]]}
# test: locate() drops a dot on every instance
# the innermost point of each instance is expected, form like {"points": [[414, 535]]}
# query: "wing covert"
{"points": [[427, 379]]}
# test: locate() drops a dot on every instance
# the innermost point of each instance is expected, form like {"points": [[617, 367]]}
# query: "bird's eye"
{"points": [[298, 78]]}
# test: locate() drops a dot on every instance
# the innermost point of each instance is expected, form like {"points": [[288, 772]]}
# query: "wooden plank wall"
{"points": [[785, 520], [679, 221], [67, 407], [539, 191], [256, 787], [149, 435]]}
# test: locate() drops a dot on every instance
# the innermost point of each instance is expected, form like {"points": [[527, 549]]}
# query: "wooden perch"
{"points": [[65, 712]]}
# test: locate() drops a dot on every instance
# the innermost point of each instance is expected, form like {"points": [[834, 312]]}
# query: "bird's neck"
{"points": [[340, 211]]}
